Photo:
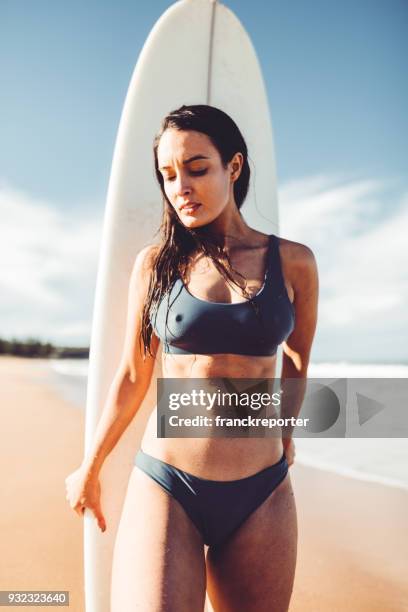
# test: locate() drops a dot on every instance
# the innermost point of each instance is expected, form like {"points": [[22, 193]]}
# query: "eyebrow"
{"points": [[187, 161]]}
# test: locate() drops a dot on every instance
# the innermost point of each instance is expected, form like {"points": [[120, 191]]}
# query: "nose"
{"points": [[182, 186]]}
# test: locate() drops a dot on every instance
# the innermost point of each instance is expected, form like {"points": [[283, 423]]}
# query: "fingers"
{"points": [[80, 508], [91, 502], [100, 518], [96, 509]]}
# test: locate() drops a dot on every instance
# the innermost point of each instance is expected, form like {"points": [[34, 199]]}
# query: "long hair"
{"points": [[177, 242]]}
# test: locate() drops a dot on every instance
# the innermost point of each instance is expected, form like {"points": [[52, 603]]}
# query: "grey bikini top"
{"points": [[189, 325]]}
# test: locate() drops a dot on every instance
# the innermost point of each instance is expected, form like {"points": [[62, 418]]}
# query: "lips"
{"points": [[189, 206]]}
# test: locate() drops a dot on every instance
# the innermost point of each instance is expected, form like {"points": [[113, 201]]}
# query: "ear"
{"points": [[236, 164]]}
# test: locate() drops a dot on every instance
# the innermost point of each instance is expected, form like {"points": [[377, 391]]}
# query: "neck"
{"points": [[229, 228]]}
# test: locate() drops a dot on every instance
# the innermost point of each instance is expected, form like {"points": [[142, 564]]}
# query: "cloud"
{"points": [[358, 236], [48, 268]]}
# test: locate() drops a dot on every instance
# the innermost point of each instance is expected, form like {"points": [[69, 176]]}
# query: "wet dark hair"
{"points": [[178, 242]]}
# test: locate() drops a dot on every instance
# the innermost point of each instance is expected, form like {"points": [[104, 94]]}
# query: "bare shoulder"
{"points": [[145, 259], [296, 252], [299, 267], [296, 256], [142, 271]]}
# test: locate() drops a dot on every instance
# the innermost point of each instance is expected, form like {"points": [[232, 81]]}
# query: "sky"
{"points": [[337, 85]]}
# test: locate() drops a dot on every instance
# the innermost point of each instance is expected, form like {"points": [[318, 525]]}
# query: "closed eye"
{"points": [[192, 172]]}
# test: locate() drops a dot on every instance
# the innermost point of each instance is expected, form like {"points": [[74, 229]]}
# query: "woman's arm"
{"points": [[133, 376], [297, 348]]}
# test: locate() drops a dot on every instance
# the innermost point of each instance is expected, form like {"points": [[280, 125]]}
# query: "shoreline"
{"points": [[353, 541], [69, 379]]}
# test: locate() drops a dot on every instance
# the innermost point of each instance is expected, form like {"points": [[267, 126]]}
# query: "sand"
{"points": [[353, 535]]}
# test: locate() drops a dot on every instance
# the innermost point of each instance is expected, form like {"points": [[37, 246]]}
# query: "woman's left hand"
{"points": [[289, 448]]}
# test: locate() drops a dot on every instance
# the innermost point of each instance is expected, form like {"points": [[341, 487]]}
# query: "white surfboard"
{"points": [[197, 53]]}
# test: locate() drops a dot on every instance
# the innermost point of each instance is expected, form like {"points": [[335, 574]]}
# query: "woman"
{"points": [[220, 297]]}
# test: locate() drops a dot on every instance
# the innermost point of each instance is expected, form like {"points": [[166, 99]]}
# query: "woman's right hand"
{"points": [[84, 491]]}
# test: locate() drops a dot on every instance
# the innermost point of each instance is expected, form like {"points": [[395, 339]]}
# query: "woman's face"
{"points": [[193, 173]]}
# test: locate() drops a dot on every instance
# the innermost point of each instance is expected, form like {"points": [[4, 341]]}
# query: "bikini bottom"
{"points": [[216, 507]]}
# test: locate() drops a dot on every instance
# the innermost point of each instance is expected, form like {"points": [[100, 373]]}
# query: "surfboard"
{"points": [[198, 52]]}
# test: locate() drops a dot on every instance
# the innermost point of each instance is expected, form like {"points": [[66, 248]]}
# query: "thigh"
{"points": [[254, 570], [158, 561]]}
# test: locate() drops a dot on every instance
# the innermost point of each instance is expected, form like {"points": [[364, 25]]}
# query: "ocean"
{"points": [[381, 460]]}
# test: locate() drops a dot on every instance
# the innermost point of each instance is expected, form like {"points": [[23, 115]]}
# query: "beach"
{"points": [[353, 535], [42, 443]]}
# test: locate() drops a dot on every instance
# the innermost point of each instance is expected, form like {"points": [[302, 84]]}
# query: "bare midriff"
{"points": [[214, 458]]}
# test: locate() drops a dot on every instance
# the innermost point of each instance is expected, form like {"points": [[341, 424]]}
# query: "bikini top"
{"points": [[189, 325]]}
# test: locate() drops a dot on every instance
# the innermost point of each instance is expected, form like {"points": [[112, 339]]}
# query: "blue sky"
{"points": [[336, 79]]}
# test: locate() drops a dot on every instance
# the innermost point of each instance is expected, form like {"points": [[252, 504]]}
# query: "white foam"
{"points": [[341, 369], [70, 367], [349, 472], [344, 369]]}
